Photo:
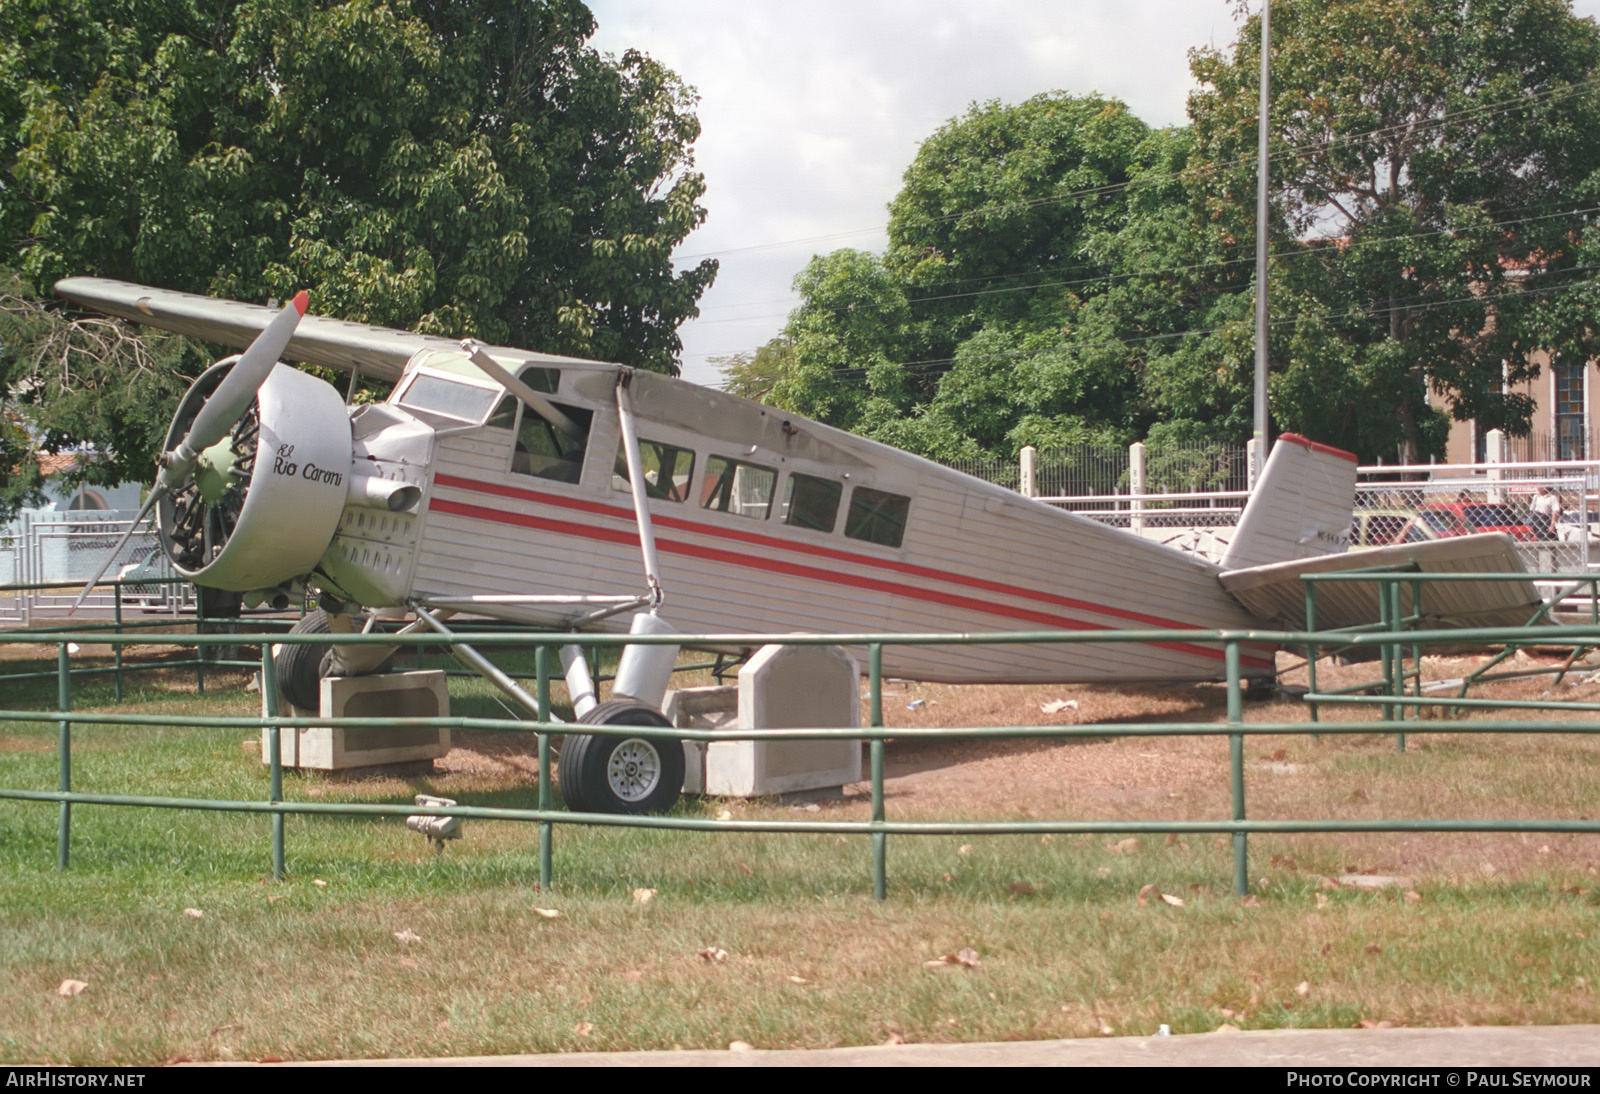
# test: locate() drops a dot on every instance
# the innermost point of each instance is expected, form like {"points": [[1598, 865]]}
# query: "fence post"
{"points": [[541, 661], [880, 871], [1029, 471], [1255, 459], [1241, 860], [269, 706], [1397, 623], [116, 594], [1494, 451], [64, 747], [1136, 486]]}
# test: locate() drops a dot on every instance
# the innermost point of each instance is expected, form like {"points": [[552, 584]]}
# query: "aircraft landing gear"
{"points": [[621, 774], [300, 667]]}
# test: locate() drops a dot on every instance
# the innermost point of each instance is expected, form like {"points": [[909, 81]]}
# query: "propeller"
{"points": [[227, 411]]}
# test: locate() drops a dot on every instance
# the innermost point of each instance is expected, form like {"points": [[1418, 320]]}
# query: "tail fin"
{"points": [[1300, 508]]}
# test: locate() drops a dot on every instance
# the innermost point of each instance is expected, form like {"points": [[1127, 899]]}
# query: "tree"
{"points": [[459, 168], [67, 378], [453, 167], [753, 376], [998, 206], [956, 341], [848, 336], [1445, 145]]}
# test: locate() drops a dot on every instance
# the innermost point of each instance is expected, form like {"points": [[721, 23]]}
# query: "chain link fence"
{"points": [[1548, 516], [1193, 495]]}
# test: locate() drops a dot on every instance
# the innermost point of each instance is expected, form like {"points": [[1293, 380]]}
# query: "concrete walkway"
{"points": [[1480, 1046]]}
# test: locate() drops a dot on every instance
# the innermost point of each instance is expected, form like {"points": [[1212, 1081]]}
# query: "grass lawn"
{"points": [[375, 946]]}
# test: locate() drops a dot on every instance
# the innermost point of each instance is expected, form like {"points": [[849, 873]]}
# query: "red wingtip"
{"points": [[301, 301]]}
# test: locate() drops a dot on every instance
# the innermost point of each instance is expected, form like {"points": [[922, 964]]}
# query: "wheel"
{"points": [[568, 763], [604, 774], [300, 667]]}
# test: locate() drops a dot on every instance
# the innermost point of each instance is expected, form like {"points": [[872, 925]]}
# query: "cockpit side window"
{"points": [[505, 415], [547, 451], [542, 380]]}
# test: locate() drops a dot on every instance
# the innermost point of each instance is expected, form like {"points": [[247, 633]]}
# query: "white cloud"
{"points": [[811, 111]]}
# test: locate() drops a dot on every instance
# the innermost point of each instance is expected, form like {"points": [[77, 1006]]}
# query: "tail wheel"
{"points": [[607, 774]]}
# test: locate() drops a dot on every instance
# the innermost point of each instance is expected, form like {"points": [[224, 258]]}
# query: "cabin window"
{"points": [[668, 470], [548, 450], [877, 516], [733, 486], [810, 502], [451, 398], [542, 380]]}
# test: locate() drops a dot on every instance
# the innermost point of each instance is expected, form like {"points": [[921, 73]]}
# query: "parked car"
{"points": [[1383, 527], [1460, 518], [149, 565]]}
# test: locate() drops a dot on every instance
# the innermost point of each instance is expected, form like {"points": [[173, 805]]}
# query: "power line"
{"points": [[1303, 250], [1282, 152], [1411, 306]]}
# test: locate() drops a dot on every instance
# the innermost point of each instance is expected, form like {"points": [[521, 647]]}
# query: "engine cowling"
{"points": [[261, 505]]}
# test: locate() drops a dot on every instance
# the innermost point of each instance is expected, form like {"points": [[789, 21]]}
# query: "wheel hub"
{"points": [[634, 770]]}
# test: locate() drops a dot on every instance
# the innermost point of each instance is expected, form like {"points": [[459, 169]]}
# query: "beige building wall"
{"points": [[1575, 388]]}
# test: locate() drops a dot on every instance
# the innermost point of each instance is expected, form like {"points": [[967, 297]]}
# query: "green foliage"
{"points": [[1068, 274], [70, 378], [959, 340], [469, 168], [1442, 143], [460, 169], [848, 342], [753, 376]]}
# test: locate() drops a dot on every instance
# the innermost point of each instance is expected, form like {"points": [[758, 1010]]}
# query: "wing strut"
{"points": [[536, 402], [641, 511]]}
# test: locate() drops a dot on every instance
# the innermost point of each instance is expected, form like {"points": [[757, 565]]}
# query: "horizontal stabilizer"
{"points": [[1276, 595], [1299, 509]]}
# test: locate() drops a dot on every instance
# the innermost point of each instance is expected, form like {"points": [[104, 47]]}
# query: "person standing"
{"points": [[1544, 513]]}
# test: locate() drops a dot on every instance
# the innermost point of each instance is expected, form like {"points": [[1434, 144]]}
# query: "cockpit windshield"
{"points": [[452, 398]]}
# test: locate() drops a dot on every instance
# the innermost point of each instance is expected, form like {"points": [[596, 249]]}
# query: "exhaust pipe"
{"points": [[375, 492]]}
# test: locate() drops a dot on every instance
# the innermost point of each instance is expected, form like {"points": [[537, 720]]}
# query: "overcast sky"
{"points": [[811, 111]]}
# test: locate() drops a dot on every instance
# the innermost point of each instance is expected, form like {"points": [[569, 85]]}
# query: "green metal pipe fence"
{"points": [[879, 827]]}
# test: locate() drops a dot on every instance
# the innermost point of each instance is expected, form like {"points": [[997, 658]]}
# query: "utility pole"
{"points": [[1258, 446]]}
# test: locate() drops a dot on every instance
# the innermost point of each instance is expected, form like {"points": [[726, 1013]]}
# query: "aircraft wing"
{"points": [[380, 352], [1276, 594]]}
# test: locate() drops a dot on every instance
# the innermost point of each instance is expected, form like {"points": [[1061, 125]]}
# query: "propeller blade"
{"points": [[156, 494], [232, 398]]}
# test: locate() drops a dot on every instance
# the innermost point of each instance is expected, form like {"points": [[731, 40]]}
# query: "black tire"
{"points": [[605, 774], [568, 763], [300, 667]]}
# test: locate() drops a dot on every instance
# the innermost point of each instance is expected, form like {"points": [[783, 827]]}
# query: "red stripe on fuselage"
{"points": [[755, 539], [829, 577]]}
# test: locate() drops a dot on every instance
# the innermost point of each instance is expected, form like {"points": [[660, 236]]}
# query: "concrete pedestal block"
{"points": [[715, 707], [785, 687], [395, 695]]}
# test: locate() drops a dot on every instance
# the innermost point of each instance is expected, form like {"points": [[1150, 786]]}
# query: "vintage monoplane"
{"points": [[528, 487]]}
